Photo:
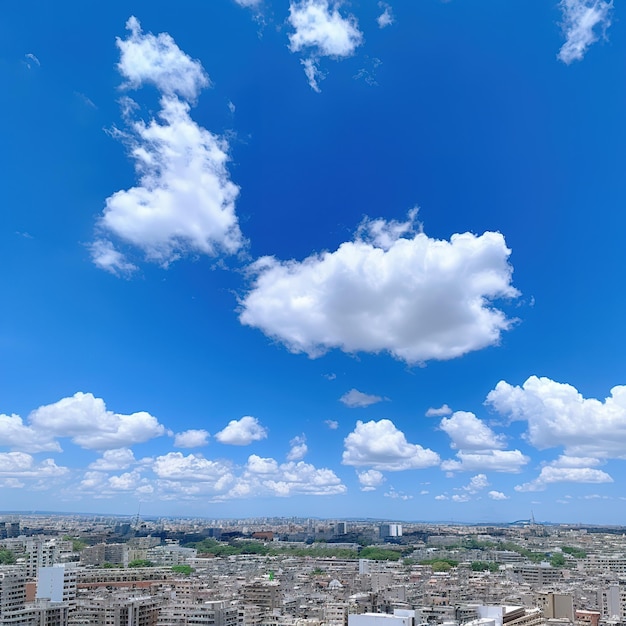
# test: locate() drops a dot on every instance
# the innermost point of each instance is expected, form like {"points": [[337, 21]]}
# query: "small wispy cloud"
{"points": [[356, 399], [33, 59], [87, 101], [584, 22], [440, 412], [386, 17]]}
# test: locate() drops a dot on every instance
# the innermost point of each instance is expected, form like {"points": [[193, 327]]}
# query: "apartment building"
{"points": [[12, 591], [117, 609]]}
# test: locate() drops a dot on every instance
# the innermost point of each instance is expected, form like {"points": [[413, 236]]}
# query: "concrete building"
{"points": [[613, 602], [169, 555], [40, 552], [556, 605], [587, 618], [263, 593], [537, 575], [502, 615], [117, 610], [57, 584], [388, 530], [12, 591], [101, 553], [207, 613], [380, 619], [335, 613]]}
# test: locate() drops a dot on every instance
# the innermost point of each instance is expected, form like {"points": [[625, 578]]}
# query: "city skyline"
{"points": [[314, 258]]}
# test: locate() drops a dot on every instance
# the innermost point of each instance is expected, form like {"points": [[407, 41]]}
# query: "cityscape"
{"points": [[66, 570]]}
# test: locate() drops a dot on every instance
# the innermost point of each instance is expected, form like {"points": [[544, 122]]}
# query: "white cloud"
{"points": [[386, 17], [193, 477], [157, 60], [417, 298], [248, 3], [16, 467], [583, 22], [460, 498], [298, 449], [467, 432], [357, 399], [192, 438], [32, 58], [443, 410], [14, 462], [550, 475], [477, 483], [185, 201], [397, 495], [574, 461], [106, 257], [261, 465], [383, 447], [193, 467], [510, 461], [113, 460], [16, 435], [370, 479], [321, 31], [332, 424], [242, 432], [313, 73], [558, 415], [304, 478], [12, 483], [497, 495], [129, 481], [100, 485], [265, 477], [92, 481], [441, 497], [90, 425]]}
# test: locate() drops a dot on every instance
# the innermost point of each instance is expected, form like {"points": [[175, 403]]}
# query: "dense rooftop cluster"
{"points": [[76, 570]]}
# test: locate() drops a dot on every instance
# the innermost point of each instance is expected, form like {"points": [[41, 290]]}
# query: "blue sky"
{"points": [[314, 258]]}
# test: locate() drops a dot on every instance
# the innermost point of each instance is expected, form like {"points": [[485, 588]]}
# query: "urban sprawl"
{"points": [[77, 570]]}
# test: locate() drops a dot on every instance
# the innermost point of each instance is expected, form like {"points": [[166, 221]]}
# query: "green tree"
{"points": [[441, 566], [141, 563], [577, 553], [483, 566], [433, 562], [379, 554], [181, 569], [7, 557]]}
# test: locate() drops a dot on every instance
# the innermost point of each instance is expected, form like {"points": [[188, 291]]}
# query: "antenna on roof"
{"points": [[136, 519]]}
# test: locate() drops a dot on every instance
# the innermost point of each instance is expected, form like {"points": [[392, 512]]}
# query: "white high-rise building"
{"points": [[390, 530], [57, 584]]}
